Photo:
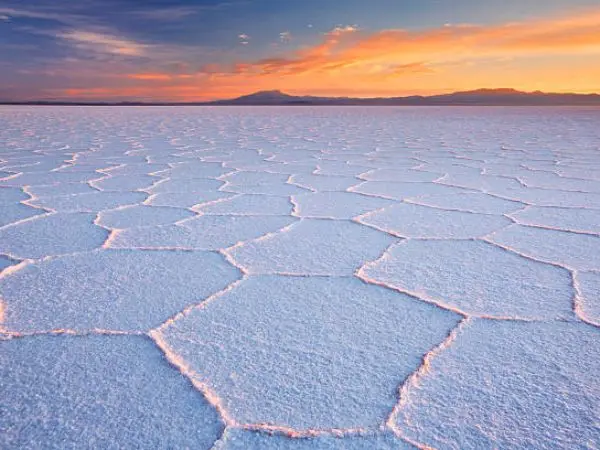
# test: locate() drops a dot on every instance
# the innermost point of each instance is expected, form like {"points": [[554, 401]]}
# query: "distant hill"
{"points": [[509, 97], [262, 98], [479, 97]]}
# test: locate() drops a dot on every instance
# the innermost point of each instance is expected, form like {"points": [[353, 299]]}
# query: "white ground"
{"points": [[299, 278]]}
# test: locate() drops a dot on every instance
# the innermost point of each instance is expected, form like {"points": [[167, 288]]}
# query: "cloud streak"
{"points": [[103, 43], [349, 49], [167, 14]]}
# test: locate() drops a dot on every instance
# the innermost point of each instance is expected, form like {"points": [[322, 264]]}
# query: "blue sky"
{"points": [[47, 48]]}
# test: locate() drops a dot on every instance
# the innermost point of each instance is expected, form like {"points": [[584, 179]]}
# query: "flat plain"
{"points": [[299, 277]]}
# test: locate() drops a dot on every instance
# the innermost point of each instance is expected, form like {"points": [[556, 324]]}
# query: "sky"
{"points": [[184, 50]]}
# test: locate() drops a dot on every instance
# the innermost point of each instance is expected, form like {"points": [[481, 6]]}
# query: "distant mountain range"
{"points": [[480, 97], [499, 97]]}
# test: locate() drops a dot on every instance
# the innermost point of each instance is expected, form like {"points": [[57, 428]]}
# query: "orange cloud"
{"points": [[151, 76], [349, 48]]}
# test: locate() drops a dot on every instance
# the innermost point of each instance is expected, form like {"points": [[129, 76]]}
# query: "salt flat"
{"points": [[299, 278]]}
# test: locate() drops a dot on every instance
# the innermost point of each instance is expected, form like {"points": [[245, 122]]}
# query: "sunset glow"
{"points": [[158, 52]]}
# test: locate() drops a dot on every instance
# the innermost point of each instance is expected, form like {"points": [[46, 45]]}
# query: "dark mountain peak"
{"points": [[273, 92], [488, 91], [267, 96], [270, 93]]}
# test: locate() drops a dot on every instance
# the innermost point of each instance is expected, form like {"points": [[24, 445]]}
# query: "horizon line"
{"points": [[497, 93]]}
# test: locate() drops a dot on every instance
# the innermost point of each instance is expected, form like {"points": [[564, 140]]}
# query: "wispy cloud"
{"points": [[244, 38], [61, 17], [168, 13], [103, 43], [285, 37], [343, 29], [174, 13]]}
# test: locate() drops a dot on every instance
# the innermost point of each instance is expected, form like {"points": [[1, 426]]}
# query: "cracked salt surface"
{"points": [[142, 216], [475, 277], [90, 202], [248, 204], [534, 386], [589, 287], [312, 247], [51, 235], [96, 392], [124, 183], [242, 440], [17, 212], [409, 220], [323, 183], [475, 202], [403, 190], [5, 262], [576, 251], [302, 355], [273, 189], [45, 178], [337, 205], [204, 232], [578, 220], [110, 289], [299, 278], [63, 189], [186, 199], [10, 196], [397, 174], [195, 169]]}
